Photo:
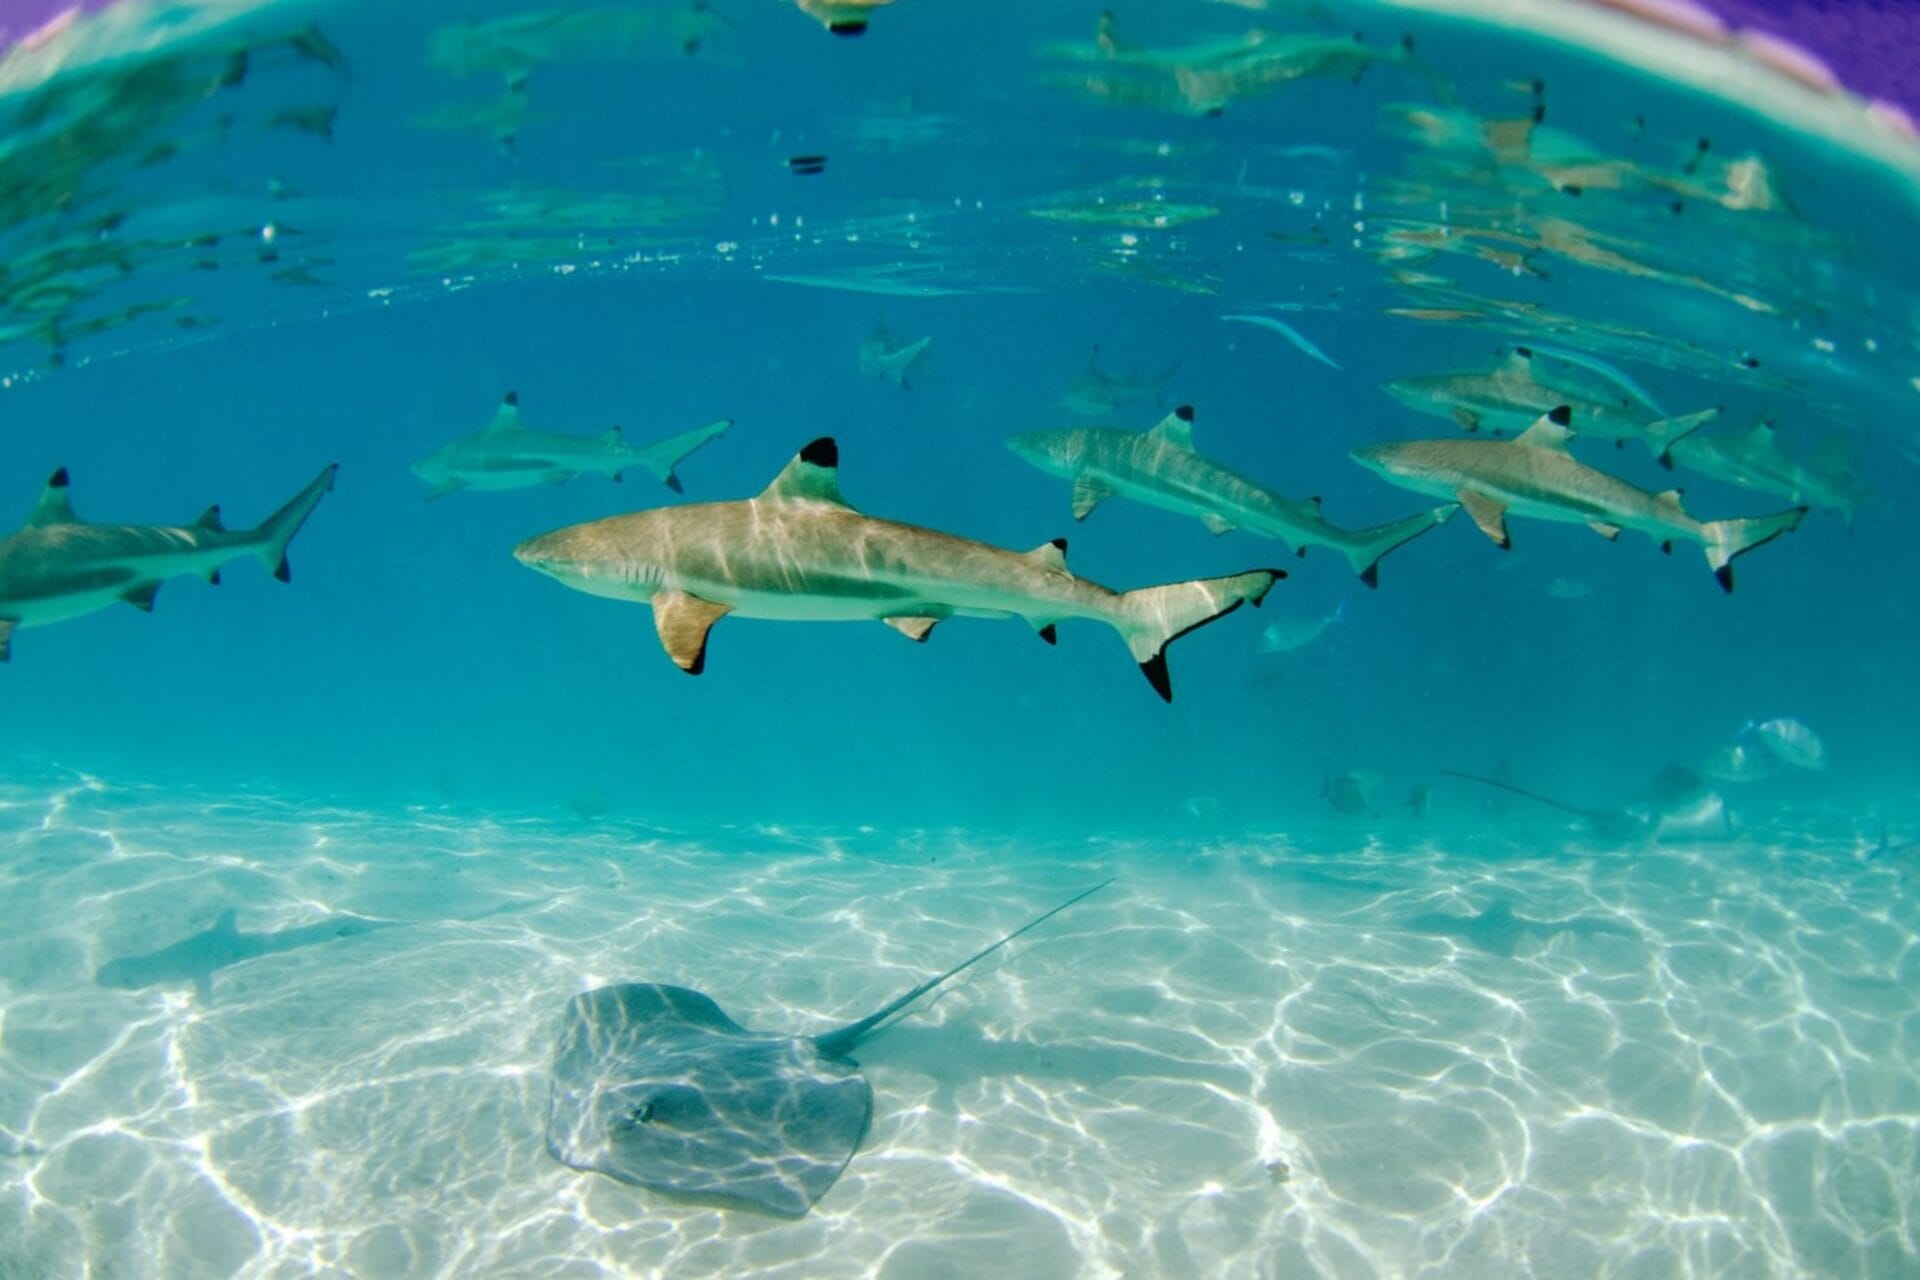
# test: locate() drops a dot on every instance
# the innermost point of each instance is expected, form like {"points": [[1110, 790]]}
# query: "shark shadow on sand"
{"points": [[656, 1086]]}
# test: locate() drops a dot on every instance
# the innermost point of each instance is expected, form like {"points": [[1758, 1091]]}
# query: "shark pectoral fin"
{"points": [[210, 519], [1215, 525], [1045, 630], [1088, 493], [54, 507], [914, 629], [1051, 554], [141, 597], [1550, 430], [1467, 418], [6, 639], [683, 622], [1491, 516], [1605, 530]]}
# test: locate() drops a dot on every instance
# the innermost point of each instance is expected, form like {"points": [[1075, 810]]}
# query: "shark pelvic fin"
{"points": [[1045, 630], [54, 507], [812, 476], [210, 519], [1491, 516], [1176, 429], [914, 629], [1605, 530], [1088, 493], [683, 622], [141, 597], [1549, 431], [1051, 554], [508, 416]]}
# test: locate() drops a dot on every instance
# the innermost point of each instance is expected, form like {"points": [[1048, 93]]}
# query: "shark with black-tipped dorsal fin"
{"points": [[1606, 405], [509, 455], [800, 553], [1534, 475], [1160, 468], [58, 566], [196, 959]]}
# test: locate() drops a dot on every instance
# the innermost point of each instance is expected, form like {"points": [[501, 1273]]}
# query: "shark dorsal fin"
{"points": [[812, 476], [210, 519], [1549, 431], [1051, 554], [507, 418], [1176, 428], [1517, 363], [54, 506]]}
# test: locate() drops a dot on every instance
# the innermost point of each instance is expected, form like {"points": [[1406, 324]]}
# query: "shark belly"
{"points": [[68, 571]]}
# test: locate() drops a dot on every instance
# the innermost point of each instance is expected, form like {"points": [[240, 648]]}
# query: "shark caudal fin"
{"points": [[1152, 618], [1364, 548], [1662, 434], [277, 530], [1727, 539], [663, 456]]}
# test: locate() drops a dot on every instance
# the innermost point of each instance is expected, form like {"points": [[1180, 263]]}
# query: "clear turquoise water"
{"points": [[1263, 1051]]}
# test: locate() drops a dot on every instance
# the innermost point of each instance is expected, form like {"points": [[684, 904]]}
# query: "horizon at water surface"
{"points": [[1344, 1012]]}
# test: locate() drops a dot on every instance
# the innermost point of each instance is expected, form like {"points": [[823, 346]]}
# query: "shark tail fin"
{"points": [[1364, 548], [663, 456], [1727, 539], [1152, 618], [277, 530], [1662, 434]]}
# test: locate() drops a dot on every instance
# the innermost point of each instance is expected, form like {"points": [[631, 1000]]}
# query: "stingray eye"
{"points": [[641, 1114]]}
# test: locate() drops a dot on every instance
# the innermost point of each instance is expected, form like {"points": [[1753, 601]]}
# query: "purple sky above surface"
{"points": [[1873, 45]]}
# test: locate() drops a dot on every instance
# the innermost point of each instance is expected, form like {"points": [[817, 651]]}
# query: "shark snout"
{"points": [[1042, 449], [544, 554]]}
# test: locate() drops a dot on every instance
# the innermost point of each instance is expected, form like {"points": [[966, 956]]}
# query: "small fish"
{"points": [[1289, 634], [1351, 792], [1291, 334], [1793, 743]]}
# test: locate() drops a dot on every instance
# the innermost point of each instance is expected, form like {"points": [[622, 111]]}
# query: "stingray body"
{"points": [[656, 1086]]}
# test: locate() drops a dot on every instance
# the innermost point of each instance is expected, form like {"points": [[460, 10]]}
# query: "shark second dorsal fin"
{"points": [[210, 519], [812, 476], [1176, 428], [54, 506], [1051, 554], [1549, 431], [507, 418]]}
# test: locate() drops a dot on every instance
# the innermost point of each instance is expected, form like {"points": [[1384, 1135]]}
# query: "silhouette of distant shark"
{"points": [[1497, 930]]}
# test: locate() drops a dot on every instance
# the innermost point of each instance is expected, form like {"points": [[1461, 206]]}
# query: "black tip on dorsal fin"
{"points": [[1525, 353], [512, 398], [1184, 413], [1155, 670], [58, 480], [1561, 415], [822, 453], [1061, 544]]}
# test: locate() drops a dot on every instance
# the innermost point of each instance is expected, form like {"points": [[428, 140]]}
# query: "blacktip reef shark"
{"points": [[800, 553], [1160, 468], [507, 455], [1534, 475], [196, 959], [656, 1086], [58, 566], [1755, 461], [1526, 384], [884, 354]]}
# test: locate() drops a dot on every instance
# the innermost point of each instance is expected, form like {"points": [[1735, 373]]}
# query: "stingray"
{"points": [[1679, 805], [656, 1086]]}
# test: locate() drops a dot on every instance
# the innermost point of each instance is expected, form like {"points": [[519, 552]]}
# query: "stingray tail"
{"points": [[1534, 796], [839, 1043]]}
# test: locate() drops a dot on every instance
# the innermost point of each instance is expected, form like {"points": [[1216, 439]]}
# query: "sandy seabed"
{"points": [[1319, 1055]]}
